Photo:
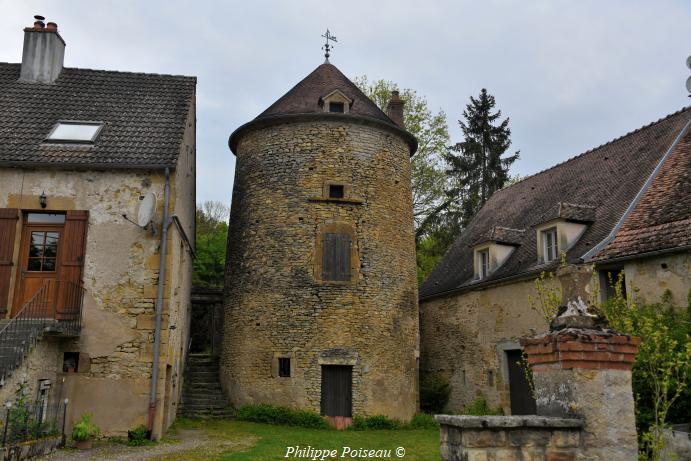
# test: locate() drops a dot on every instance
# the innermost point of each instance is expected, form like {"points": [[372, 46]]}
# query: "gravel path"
{"points": [[184, 445]]}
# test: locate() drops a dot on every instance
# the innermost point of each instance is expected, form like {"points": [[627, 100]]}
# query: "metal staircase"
{"points": [[55, 309]]}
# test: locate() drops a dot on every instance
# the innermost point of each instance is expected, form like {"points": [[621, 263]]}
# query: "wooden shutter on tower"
{"points": [[72, 252], [8, 228], [336, 257]]}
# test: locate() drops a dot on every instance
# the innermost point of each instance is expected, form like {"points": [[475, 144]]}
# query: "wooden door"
{"points": [[337, 394], [39, 261], [522, 400]]}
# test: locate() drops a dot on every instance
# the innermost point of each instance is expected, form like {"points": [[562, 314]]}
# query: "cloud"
{"points": [[571, 75]]}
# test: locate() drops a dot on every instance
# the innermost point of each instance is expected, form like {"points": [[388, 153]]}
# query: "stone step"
{"points": [[205, 399], [208, 387]]}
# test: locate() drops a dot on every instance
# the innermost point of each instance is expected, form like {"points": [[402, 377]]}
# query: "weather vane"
{"points": [[327, 47]]}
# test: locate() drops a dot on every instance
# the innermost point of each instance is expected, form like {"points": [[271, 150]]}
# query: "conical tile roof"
{"points": [[304, 101], [304, 98]]}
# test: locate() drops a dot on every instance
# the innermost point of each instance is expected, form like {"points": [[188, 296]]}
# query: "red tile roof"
{"points": [[662, 218]]}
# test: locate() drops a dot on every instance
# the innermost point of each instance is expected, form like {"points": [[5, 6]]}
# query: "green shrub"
{"points": [[270, 414], [377, 422], [138, 436], [85, 429], [434, 394], [423, 421], [480, 408]]}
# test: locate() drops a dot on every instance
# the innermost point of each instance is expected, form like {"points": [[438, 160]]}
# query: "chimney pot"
{"points": [[395, 109], [39, 25], [53, 27]]}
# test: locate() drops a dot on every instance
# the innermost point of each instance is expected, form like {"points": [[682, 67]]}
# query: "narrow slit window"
{"points": [[74, 132], [284, 367], [551, 248], [336, 191], [336, 107]]}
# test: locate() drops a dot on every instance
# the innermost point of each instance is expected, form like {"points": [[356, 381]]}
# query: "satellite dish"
{"points": [[147, 208]]}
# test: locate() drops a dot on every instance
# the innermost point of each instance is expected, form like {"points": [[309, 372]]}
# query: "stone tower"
{"points": [[321, 305]]}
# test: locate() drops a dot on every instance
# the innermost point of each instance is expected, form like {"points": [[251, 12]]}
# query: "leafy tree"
{"points": [[661, 376], [432, 132], [212, 235], [476, 166]]}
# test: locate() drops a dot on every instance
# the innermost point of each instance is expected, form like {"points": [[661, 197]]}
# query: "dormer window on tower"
{"points": [[336, 102]]}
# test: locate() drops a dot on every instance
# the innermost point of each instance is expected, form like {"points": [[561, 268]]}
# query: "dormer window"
{"points": [[560, 233], [336, 102], [551, 244], [68, 131]]}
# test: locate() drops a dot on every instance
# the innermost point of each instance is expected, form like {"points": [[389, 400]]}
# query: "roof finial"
{"points": [[327, 47]]}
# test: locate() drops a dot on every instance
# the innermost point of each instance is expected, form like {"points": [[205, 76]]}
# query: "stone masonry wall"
{"points": [[509, 438], [276, 306], [648, 279], [463, 336]]}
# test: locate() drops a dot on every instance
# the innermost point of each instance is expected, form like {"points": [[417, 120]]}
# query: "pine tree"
{"points": [[476, 166]]}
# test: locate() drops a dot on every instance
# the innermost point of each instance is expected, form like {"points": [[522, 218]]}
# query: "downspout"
{"points": [[159, 302]]}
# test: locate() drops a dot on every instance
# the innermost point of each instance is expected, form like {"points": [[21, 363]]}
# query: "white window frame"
{"points": [[546, 247], [483, 263], [59, 123]]}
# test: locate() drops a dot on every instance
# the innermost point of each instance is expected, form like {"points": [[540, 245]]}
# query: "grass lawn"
{"points": [[262, 442]]}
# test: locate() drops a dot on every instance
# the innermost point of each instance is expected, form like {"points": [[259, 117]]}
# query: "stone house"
{"points": [[321, 295], [83, 154], [623, 206]]}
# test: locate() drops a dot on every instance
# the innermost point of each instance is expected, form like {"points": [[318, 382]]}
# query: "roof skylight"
{"points": [[68, 131]]}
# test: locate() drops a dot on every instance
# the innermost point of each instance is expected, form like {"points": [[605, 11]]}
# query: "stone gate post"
{"points": [[582, 369]]}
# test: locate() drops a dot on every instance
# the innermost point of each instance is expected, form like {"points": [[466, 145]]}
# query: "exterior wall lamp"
{"points": [[43, 200]]}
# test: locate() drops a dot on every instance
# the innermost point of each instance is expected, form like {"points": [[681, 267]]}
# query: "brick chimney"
{"points": [[395, 109], [43, 54]]}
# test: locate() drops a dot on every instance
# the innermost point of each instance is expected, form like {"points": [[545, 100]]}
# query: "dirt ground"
{"points": [[178, 446]]}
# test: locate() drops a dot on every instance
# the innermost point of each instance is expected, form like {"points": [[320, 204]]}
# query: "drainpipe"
{"points": [[159, 302]]}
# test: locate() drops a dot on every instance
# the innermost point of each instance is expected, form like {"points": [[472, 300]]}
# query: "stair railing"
{"points": [[55, 307]]}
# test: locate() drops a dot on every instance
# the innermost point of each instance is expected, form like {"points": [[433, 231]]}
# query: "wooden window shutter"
{"points": [[72, 252], [8, 228], [336, 257]]}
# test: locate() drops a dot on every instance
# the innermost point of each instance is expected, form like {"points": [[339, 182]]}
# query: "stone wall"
{"points": [[275, 304], [509, 438], [463, 336], [649, 278]]}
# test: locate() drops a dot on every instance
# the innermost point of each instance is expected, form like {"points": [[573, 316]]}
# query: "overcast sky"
{"points": [[570, 75]]}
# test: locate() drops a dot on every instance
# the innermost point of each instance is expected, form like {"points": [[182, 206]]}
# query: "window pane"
{"points": [[48, 218], [34, 264], [50, 251], [49, 264], [74, 132], [36, 245]]}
